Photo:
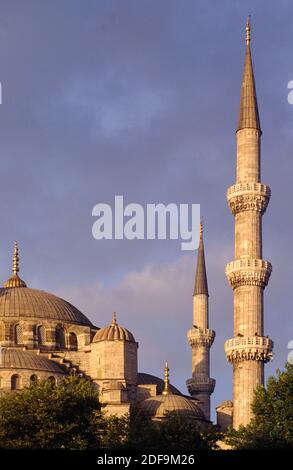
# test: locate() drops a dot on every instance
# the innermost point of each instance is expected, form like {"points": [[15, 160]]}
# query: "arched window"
{"points": [[73, 341], [33, 378], [52, 380], [15, 382], [18, 336], [41, 335], [60, 337]]}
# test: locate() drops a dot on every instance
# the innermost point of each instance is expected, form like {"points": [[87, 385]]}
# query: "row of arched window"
{"points": [[15, 380], [40, 336]]}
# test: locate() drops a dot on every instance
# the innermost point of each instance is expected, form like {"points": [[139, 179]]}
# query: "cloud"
{"points": [[110, 104]]}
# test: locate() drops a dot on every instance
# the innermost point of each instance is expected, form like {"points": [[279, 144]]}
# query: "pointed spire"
{"points": [[201, 282], [166, 390], [15, 280], [248, 114]]}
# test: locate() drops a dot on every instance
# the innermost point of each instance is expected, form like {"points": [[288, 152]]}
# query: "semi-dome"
{"points": [[113, 332], [19, 359], [27, 303]]}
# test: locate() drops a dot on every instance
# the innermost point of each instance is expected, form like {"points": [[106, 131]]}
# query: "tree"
{"points": [[49, 416], [272, 424], [181, 432], [69, 416], [174, 432]]}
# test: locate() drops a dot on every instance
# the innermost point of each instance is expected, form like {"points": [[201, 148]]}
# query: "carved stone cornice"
{"points": [[248, 197], [200, 337], [200, 385], [248, 272], [256, 348]]}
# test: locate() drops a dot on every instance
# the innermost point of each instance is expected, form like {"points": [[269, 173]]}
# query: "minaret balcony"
{"points": [[200, 337], [200, 385], [243, 348], [248, 272], [248, 197]]}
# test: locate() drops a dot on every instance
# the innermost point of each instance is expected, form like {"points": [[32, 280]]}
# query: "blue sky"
{"points": [[140, 98]]}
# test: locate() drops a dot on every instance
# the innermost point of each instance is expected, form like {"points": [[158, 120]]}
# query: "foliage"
{"points": [[69, 416], [272, 424], [174, 432], [49, 416]]}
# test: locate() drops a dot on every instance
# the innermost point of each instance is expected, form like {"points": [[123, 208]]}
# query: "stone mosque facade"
{"points": [[44, 337]]}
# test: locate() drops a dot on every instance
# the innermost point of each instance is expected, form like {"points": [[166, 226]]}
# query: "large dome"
{"points": [[24, 302]]}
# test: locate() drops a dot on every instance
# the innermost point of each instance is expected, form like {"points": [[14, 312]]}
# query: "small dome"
{"points": [[113, 332], [157, 407], [19, 359], [225, 404]]}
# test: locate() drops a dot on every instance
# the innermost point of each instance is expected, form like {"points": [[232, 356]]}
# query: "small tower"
{"points": [[249, 273], [113, 366], [200, 337]]}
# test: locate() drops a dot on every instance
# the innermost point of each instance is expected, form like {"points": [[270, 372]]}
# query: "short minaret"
{"points": [[200, 337], [248, 274]]}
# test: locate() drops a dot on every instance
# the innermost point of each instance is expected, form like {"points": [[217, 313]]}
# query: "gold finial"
{"points": [[248, 30], [114, 319], [15, 280], [201, 228], [166, 390], [15, 265]]}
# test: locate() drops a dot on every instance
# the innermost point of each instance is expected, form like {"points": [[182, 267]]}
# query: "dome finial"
{"points": [[114, 319], [15, 280], [166, 390], [15, 265], [247, 29]]}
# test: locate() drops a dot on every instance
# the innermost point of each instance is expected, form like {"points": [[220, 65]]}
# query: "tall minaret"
{"points": [[248, 274], [200, 337]]}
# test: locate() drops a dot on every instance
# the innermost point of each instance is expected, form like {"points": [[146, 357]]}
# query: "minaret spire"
{"points": [[200, 337], [247, 29], [248, 274], [248, 113], [201, 283], [15, 280]]}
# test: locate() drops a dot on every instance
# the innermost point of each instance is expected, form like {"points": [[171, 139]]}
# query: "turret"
{"points": [[113, 366]]}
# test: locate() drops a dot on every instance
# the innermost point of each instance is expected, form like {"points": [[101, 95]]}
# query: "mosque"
{"points": [[43, 337]]}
